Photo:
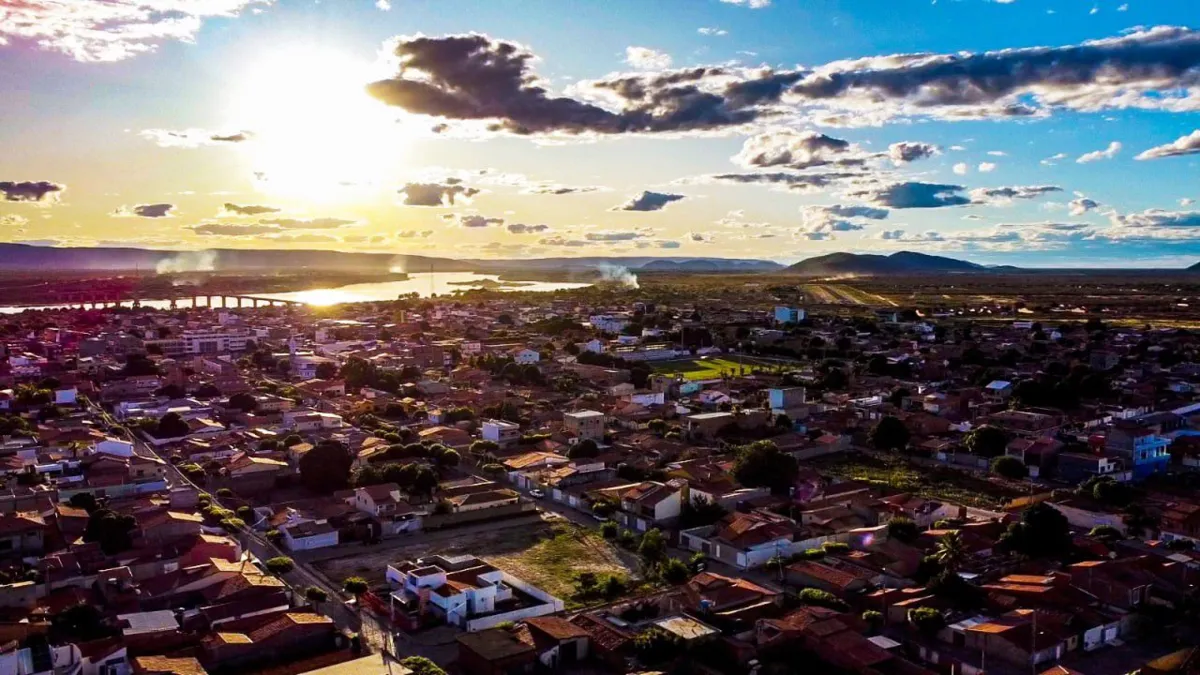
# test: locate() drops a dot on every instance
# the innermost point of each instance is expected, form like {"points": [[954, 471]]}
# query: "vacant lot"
{"points": [[546, 554], [712, 368], [928, 482]]}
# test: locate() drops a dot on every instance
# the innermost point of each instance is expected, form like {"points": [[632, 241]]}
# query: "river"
{"points": [[424, 284]]}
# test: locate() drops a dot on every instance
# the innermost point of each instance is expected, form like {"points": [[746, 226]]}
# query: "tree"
{"points": [[170, 391], [699, 512], [986, 441], [355, 586], [326, 467], [762, 464], [608, 529], [315, 595], [1042, 532], [243, 401], [280, 565], [951, 551], [419, 665], [172, 425], [449, 458], [653, 548], [873, 619], [113, 531], [903, 529], [820, 598], [675, 572], [81, 623], [1106, 533], [326, 371], [480, 448], [927, 619], [655, 645], [1009, 467], [584, 449], [889, 434], [83, 500]]}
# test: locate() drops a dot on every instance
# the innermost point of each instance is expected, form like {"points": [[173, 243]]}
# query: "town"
{"points": [[596, 481]]}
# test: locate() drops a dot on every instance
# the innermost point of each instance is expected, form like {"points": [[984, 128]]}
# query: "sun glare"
{"points": [[317, 134]]}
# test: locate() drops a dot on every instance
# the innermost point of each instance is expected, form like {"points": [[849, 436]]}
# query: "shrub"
{"points": [[280, 565]]}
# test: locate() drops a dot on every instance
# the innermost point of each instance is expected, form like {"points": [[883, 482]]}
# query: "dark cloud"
{"points": [[247, 210], [31, 191], [1008, 193], [562, 189], [1184, 145], [617, 235], [1082, 205], [232, 229], [472, 220], [414, 234], [913, 195], [801, 182], [521, 228], [446, 193], [194, 138], [1115, 72], [145, 211], [239, 137], [307, 224], [648, 201], [910, 151], [563, 241], [474, 77]]}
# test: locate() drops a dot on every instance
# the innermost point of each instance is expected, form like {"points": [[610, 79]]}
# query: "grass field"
{"points": [[927, 482], [711, 368], [555, 561]]}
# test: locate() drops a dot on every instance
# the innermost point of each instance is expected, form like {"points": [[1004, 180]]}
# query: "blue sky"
{"points": [[135, 128]]}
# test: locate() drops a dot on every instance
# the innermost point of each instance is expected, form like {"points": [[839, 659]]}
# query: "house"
{"points": [[788, 315], [1141, 445], [743, 540], [500, 432], [526, 356], [497, 651], [585, 424], [308, 535], [1012, 637], [22, 533], [163, 665], [463, 591], [708, 425], [559, 642], [647, 504], [787, 399], [810, 573]]}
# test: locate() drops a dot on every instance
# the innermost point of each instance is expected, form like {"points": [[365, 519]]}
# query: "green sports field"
{"points": [[712, 367]]}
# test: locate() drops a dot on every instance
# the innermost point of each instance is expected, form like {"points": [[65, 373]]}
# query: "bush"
{"points": [[281, 565], [873, 618], [835, 547], [275, 537], [1106, 532], [1009, 467], [315, 594], [224, 493], [820, 598], [675, 572], [609, 529], [355, 586], [926, 619]]}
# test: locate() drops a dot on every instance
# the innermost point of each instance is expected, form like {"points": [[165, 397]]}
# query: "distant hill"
{"points": [[901, 262], [634, 263], [1194, 268]]}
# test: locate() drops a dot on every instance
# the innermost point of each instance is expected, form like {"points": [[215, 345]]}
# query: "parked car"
{"points": [[537, 494]]}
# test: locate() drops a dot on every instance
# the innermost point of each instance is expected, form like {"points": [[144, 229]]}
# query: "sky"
{"points": [[1050, 133]]}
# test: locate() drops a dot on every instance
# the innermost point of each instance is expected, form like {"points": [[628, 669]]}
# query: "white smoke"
{"points": [[618, 274], [188, 261]]}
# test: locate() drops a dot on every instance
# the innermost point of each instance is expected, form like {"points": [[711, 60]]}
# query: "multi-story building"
{"points": [[585, 424], [1138, 443]]}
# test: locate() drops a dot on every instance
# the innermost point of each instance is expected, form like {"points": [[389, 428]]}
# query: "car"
{"points": [[537, 494], [597, 516]]}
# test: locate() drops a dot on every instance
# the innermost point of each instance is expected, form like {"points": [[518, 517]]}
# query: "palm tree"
{"points": [[951, 551]]}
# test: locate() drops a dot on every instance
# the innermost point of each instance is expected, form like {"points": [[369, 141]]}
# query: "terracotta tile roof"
{"points": [[162, 665]]}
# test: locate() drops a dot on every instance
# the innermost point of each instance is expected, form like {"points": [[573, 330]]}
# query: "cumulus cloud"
{"points": [[232, 229], [307, 223], [987, 167], [414, 234], [472, 220], [563, 241], [648, 201], [797, 150], [712, 31], [961, 168], [522, 228], [112, 30], [41, 191], [194, 138], [836, 218], [912, 195], [555, 189], [476, 78], [645, 58], [1082, 205], [237, 210], [1158, 219], [1097, 155], [446, 193], [700, 237], [615, 235], [1003, 195], [1184, 145], [145, 211], [910, 151]]}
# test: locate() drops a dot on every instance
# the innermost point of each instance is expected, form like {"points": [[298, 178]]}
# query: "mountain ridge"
{"points": [[873, 264]]}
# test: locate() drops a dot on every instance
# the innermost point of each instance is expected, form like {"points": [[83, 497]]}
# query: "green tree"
{"points": [[280, 565], [986, 441], [674, 571], [1042, 532], [820, 598], [112, 531], [419, 665], [315, 595], [951, 551], [243, 401], [903, 529], [926, 619], [889, 434], [653, 548], [762, 464], [355, 586], [172, 425], [1106, 533], [1009, 467], [584, 449], [326, 468]]}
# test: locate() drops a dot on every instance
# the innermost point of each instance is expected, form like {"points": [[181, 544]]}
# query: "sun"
{"points": [[317, 135]]}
